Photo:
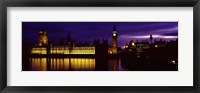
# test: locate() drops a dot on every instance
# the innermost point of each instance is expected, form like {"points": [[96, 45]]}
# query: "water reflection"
{"points": [[93, 64], [39, 64], [114, 65], [62, 64]]}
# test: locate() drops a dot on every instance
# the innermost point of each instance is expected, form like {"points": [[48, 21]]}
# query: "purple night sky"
{"points": [[88, 31]]}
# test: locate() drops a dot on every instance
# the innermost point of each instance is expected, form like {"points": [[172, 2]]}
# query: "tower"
{"points": [[114, 40], [42, 37], [151, 37], [68, 39]]}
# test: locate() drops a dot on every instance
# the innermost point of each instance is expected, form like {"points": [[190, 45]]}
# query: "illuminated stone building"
{"points": [[113, 48], [39, 50], [69, 47], [42, 37], [65, 49], [41, 47]]}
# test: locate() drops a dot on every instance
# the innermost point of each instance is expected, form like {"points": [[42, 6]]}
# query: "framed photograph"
{"points": [[100, 46]]}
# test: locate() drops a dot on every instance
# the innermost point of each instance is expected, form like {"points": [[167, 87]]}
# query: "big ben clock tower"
{"points": [[114, 40]]}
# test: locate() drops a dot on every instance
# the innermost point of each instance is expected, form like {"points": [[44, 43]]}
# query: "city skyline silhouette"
{"points": [[88, 31], [100, 46]]}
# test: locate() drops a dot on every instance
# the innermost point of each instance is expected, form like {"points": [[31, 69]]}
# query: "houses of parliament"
{"points": [[70, 47]]}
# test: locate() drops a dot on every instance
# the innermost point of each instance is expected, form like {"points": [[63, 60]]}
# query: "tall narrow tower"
{"points": [[42, 37], [114, 40], [151, 37], [68, 39]]}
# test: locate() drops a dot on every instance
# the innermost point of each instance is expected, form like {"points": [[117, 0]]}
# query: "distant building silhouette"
{"points": [[151, 38], [69, 42]]}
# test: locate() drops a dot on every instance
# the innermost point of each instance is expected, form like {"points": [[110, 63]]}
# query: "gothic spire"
{"points": [[68, 39], [114, 28]]}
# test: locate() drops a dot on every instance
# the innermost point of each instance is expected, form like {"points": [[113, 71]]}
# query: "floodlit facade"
{"points": [[42, 37], [39, 50], [64, 50], [113, 49], [70, 47], [72, 50]]}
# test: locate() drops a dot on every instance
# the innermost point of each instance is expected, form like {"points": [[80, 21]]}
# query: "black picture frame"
{"points": [[100, 3]]}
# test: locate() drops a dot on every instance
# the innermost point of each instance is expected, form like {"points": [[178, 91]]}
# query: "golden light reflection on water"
{"points": [[55, 64], [39, 64], [114, 65]]}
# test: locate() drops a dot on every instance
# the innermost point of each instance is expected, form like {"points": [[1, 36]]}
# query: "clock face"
{"points": [[114, 34]]}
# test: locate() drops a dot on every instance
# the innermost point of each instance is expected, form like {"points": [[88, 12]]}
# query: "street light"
{"points": [[133, 43]]}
